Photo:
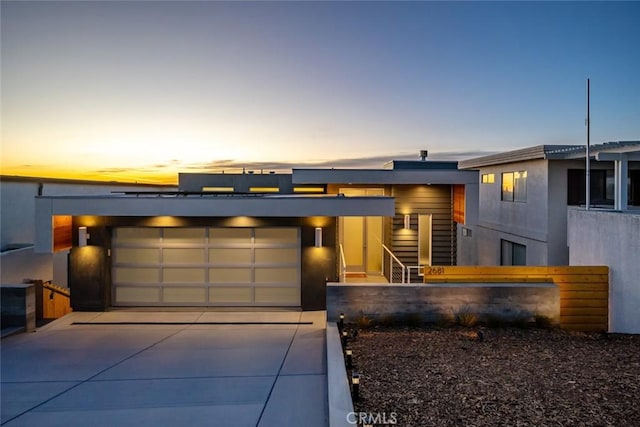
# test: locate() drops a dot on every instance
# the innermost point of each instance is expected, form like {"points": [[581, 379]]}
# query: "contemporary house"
{"points": [[524, 195], [257, 239]]}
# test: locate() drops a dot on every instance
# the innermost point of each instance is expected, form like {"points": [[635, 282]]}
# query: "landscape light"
{"points": [[345, 335], [355, 382], [341, 322], [349, 354]]}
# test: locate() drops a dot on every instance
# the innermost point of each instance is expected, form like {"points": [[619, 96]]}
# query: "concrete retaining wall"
{"points": [[508, 301], [19, 306]]}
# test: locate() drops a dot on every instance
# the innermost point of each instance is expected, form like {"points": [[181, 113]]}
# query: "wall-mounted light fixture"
{"points": [[83, 236], [407, 221], [318, 237]]}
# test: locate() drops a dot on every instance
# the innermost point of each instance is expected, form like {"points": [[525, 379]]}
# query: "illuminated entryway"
{"points": [[361, 237], [206, 266]]}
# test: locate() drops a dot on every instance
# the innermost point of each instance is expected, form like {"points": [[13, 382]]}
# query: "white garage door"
{"points": [[206, 266]]}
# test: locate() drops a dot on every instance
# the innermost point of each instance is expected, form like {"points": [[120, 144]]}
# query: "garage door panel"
{"points": [[184, 295], [137, 295], [136, 275], [183, 275], [183, 256], [277, 295], [231, 295], [270, 236], [184, 235], [230, 236], [230, 275], [277, 256], [230, 256], [138, 235], [276, 275], [137, 256]]}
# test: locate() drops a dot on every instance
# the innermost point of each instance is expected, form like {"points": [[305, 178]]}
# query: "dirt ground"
{"points": [[502, 377]]}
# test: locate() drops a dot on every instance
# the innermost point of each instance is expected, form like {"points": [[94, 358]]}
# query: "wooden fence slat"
{"points": [[585, 311], [582, 286]]}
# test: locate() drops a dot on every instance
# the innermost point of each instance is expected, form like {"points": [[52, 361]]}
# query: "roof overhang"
{"points": [[293, 206], [383, 176]]}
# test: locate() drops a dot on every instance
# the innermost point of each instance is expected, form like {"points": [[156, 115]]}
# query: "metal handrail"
{"points": [[343, 265], [391, 259]]}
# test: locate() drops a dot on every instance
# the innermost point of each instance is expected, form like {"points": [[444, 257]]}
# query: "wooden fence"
{"points": [[584, 290]]}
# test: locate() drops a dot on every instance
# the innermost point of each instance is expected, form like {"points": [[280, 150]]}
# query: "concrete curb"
{"points": [[340, 403]]}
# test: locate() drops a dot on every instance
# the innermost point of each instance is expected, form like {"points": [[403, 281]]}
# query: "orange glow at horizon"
{"points": [[164, 177]]}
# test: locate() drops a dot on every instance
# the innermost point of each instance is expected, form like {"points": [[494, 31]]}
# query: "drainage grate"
{"points": [[192, 323]]}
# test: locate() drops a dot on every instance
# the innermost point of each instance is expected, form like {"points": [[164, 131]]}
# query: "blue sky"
{"points": [[141, 90]]}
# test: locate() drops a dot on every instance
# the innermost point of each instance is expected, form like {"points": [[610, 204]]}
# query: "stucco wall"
{"points": [[520, 222], [21, 265], [466, 241], [17, 211], [613, 239]]}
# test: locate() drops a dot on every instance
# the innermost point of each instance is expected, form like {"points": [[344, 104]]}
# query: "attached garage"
{"points": [[206, 266]]}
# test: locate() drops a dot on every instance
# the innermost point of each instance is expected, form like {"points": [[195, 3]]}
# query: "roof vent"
{"points": [[423, 155]]}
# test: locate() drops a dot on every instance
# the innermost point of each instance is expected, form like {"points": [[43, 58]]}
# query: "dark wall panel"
{"points": [[423, 200]]}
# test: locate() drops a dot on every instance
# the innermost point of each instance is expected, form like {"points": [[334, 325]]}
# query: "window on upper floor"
{"points": [[601, 188], [512, 253], [488, 178], [514, 186]]}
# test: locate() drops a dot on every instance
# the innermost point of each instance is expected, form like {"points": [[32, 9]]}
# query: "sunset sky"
{"points": [[139, 91]]}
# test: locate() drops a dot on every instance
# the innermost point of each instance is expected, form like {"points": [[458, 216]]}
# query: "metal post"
{"points": [[588, 154]]}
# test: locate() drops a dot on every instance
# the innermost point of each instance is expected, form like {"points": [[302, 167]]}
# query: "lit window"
{"points": [[488, 178], [308, 189], [520, 186], [514, 186], [264, 189], [507, 186]]}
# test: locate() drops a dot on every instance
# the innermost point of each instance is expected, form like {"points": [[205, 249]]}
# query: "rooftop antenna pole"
{"points": [[588, 174]]}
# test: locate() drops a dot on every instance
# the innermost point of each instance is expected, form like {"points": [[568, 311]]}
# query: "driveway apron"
{"points": [[209, 368]]}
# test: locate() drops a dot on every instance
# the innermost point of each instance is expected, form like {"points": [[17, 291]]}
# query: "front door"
{"points": [[361, 237]]}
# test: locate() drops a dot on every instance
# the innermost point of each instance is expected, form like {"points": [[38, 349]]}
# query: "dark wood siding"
{"points": [[415, 200]]}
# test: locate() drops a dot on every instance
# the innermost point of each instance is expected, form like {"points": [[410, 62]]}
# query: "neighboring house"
{"points": [[257, 239], [18, 262], [524, 195]]}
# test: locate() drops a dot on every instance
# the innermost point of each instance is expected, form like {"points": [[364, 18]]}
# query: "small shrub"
{"points": [[363, 321], [466, 319]]}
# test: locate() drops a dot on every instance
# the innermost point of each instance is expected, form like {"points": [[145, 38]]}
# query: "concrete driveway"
{"points": [[194, 368]]}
